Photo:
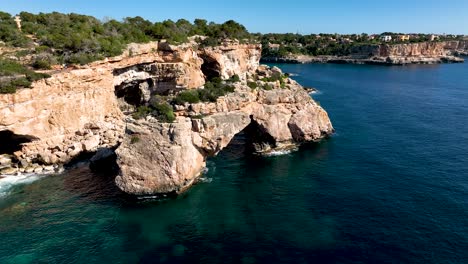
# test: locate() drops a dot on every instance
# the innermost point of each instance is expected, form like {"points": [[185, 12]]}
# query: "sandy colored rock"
{"points": [[167, 158], [90, 108], [91, 143]]}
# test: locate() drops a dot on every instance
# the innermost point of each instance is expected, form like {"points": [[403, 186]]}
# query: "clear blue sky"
{"points": [[303, 16]]}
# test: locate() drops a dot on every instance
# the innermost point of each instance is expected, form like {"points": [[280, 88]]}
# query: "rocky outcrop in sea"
{"points": [[89, 110]]}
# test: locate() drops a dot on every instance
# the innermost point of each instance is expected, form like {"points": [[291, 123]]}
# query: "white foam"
{"points": [[278, 152], [205, 179], [7, 182]]}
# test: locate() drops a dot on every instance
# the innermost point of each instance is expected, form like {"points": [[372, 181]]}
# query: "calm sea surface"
{"points": [[391, 186]]}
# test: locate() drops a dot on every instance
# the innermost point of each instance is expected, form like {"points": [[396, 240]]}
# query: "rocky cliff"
{"points": [[89, 108], [391, 54], [169, 157]]}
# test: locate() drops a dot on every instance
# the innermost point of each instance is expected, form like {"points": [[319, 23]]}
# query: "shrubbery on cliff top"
{"points": [[158, 108], [75, 38], [212, 90], [14, 75]]}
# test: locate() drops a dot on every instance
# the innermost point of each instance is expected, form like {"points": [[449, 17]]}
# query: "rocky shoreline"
{"points": [[90, 110]]}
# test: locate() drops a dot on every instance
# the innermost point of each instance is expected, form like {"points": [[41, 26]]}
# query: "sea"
{"points": [[390, 186]]}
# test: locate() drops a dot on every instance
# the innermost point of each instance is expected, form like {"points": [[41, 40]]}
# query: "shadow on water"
{"points": [[240, 216]]}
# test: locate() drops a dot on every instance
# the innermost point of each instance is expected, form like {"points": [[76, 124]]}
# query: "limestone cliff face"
{"points": [[389, 54], [167, 158], [77, 109], [89, 108], [427, 49], [230, 59], [413, 49]]}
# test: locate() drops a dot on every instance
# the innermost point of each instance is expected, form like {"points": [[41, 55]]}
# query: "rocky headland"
{"points": [[389, 54], [91, 109]]}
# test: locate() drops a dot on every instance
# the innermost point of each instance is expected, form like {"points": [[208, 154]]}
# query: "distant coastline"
{"points": [[402, 60], [386, 54]]}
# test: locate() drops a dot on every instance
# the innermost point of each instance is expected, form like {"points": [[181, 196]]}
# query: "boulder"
{"points": [[9, 171], [91, 143]]}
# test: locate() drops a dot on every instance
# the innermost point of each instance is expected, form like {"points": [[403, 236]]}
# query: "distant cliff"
{"points": [[393, 54], [93, 109]]}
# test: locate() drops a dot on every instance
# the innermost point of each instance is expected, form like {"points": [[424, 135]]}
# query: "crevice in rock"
{"points": [[11, 142]]}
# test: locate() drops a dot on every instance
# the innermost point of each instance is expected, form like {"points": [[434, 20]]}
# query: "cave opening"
{"points": [[135, 92], [251, 140], [210, 67], [11, 142]]}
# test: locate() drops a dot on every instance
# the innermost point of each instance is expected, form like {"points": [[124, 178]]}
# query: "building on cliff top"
{"points": [[386, 38], [403, 37]]}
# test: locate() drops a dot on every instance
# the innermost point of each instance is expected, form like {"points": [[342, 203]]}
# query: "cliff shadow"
{"points": [[11, 142]]}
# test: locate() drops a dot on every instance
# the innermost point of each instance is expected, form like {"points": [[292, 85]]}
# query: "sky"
{"points": [[277, 16]]}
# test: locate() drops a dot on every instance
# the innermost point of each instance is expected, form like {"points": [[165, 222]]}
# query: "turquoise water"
{"points": [[390, 187]]}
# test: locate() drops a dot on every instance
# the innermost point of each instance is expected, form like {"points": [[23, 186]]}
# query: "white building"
{"points": [[386, 38]]}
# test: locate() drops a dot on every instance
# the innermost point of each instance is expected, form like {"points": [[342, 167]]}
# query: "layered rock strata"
{"points": [[89, 108], [169, 157], [390, 54]]}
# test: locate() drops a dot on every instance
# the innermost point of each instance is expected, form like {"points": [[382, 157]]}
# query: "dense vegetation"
{"points": [[212, 90], [14, 75], [49, 39], [79, 39], [158, 108]]}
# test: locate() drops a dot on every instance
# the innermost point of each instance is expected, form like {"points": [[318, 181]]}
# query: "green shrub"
{"points": [[252, 85], [134, 139], [34, 76], [188, 96], [235, 78], [228, 89], [7, 88], [10, 68], [209, 93], [197, 116], [141, 112], [21, 82], [209, 85], [163, 112], [216, 80], [159, 109], [282, 83], [41, 64], [22, 53], [267, 87]]}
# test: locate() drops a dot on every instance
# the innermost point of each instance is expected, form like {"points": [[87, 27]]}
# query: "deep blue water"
{"points": [[391, 186]]}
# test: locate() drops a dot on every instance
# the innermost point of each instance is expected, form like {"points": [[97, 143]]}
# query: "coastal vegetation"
{"points": [[157, 108], [54, 41], [79, 39], [14, 75], [213, 89], [48, 39]]}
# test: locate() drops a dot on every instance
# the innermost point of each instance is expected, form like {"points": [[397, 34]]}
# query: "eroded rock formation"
{"points": [[90, 108], [168, 157]]}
